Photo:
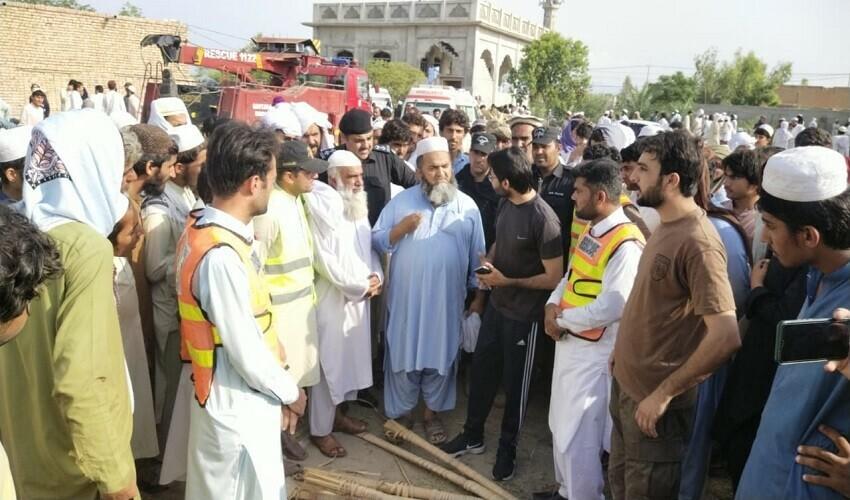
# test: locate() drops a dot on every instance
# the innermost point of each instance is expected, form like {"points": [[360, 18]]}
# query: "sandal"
{"points": [[292, 449], [434, 430], [348, 425], [329, 446]]}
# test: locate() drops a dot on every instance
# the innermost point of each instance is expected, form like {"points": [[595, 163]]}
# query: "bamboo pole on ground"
{"points": [[398, 431], [453, 477], [402, 489], [344, 486]]}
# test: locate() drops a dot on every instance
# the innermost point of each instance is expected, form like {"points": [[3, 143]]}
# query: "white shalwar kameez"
{"points": [[234, 441], [343, 260], [578, 410]]}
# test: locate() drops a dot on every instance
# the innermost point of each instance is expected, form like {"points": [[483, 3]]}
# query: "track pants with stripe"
{"points": [[504, 355]]}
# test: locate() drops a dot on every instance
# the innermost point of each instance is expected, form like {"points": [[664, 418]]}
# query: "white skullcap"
{"points": [[650, 129], [741, 139], [284, 119], [122, 118], [842, 129], [14, 142], [808, 173], [343, 158], [186, 137], [767, 128], [131, 89], [308, 115], [169, 106], [431, 145]]}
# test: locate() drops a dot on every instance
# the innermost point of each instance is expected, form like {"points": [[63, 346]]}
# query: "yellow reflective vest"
{"points": [[578, 225], [587, 266], [290, 279]]}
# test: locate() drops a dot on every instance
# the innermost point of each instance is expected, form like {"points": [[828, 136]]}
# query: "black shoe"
{"points": [[460, 445], [547, 495], [503, 470]]}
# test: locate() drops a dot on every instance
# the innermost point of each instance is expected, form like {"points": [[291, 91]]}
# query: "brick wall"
{"points": [[51, 45], [814, 97]]}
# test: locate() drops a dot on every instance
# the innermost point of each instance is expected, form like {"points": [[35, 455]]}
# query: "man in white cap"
{"points": [[168, 112], [841, 141], [314, 126], [521, 133], [763, 135], [435, 235], [65, 416], [348, 275], [13, 149], [164, 217], [801, 448], [283, 120], [132, 103]]}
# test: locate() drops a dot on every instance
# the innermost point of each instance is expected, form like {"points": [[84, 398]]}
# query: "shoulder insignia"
{"points": [[384, 148]]}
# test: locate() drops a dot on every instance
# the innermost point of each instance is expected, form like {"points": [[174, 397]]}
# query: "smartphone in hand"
{"points": [[812, 340]]}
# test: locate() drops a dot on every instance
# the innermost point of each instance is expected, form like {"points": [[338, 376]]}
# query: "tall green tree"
{"points": [[130, 10], [633, 98], [673, 91], [397, 77], [743, 80], [552, 74], [69, 4]]}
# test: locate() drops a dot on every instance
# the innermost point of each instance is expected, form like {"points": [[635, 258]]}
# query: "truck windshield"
{"points": [[428, 107]]}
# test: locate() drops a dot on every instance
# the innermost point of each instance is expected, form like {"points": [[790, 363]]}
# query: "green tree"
{"points": [[397, 77], [130, 10], [593, 105], [673, 91], [744, 80], [69, 4], [633, 98], [552, 75]]}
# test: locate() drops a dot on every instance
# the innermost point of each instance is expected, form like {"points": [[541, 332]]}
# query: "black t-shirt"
{"points": [[557, 190], [485, 197], [526, 235]]}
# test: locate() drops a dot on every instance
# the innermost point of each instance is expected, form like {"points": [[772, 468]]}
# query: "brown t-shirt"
{"points": [[681, 277]]}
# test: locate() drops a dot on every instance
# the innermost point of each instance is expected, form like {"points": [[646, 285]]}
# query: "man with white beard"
{"points": [[348, 275], [435, 235]]}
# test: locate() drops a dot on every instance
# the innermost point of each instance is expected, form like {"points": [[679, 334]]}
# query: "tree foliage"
{"points": [[130, 10], [633, 98], [397, 77], [672, 91], [68, 4], [552, 75], [743, 80]]}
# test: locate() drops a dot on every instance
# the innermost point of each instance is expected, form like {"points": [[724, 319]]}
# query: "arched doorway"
{"points": [[438, 61], [382, 56], [504, 70], [345, 53], [487, 58]]}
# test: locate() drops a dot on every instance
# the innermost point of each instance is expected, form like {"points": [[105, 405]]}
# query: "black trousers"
{"points": [[503, 355]]}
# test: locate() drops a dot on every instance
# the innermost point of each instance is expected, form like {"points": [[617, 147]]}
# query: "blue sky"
{"points": [[625, 37]]}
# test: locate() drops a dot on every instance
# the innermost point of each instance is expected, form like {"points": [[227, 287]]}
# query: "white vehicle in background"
{"points": [[381, 97], [427, 98]]}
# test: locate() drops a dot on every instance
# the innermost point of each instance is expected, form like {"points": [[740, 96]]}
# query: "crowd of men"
{"points": [[275, 268]]}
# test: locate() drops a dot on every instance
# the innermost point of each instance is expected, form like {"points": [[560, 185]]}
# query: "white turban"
{"points": [[186, 137], [167, 106], [283, 118]]}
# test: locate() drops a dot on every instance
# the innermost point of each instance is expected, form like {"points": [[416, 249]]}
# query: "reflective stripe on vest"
{"points": [[578, 225], [289, 265], [587, 266], [199, 338]]}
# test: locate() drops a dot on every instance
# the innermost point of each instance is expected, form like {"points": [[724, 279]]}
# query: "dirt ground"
{"points": [[534, 458]]}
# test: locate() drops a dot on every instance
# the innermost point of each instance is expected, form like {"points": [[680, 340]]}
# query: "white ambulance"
{"points": [[427, 98]]}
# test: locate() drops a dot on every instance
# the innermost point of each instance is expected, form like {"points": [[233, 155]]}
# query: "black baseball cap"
{"points": [[545, 135], [294, 154], [483, 143]]}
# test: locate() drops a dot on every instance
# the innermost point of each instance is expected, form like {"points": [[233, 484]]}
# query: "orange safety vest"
{"points": [[587, 266], [199, 338]]}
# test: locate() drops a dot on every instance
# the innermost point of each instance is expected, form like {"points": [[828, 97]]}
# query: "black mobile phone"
{"points": [[811, 340], [483, 270]]}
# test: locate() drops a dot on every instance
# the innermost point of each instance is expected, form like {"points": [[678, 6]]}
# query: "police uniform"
{"points": [[380, 169]]}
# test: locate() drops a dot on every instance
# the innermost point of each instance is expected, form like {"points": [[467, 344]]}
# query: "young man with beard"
{"points": [[474, 180], [801, 449], [164, 217], [630, 156], [156, 166], [286, 249], [678, 325], [454, 125], [348, 275], [523, 267], [582, 317], [435, 236], [380, 166], [242, 389], [521, 130]]}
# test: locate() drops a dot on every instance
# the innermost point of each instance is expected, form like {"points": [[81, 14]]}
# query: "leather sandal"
{"points": [[348, 425], [291, 448], [329, 446]]}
